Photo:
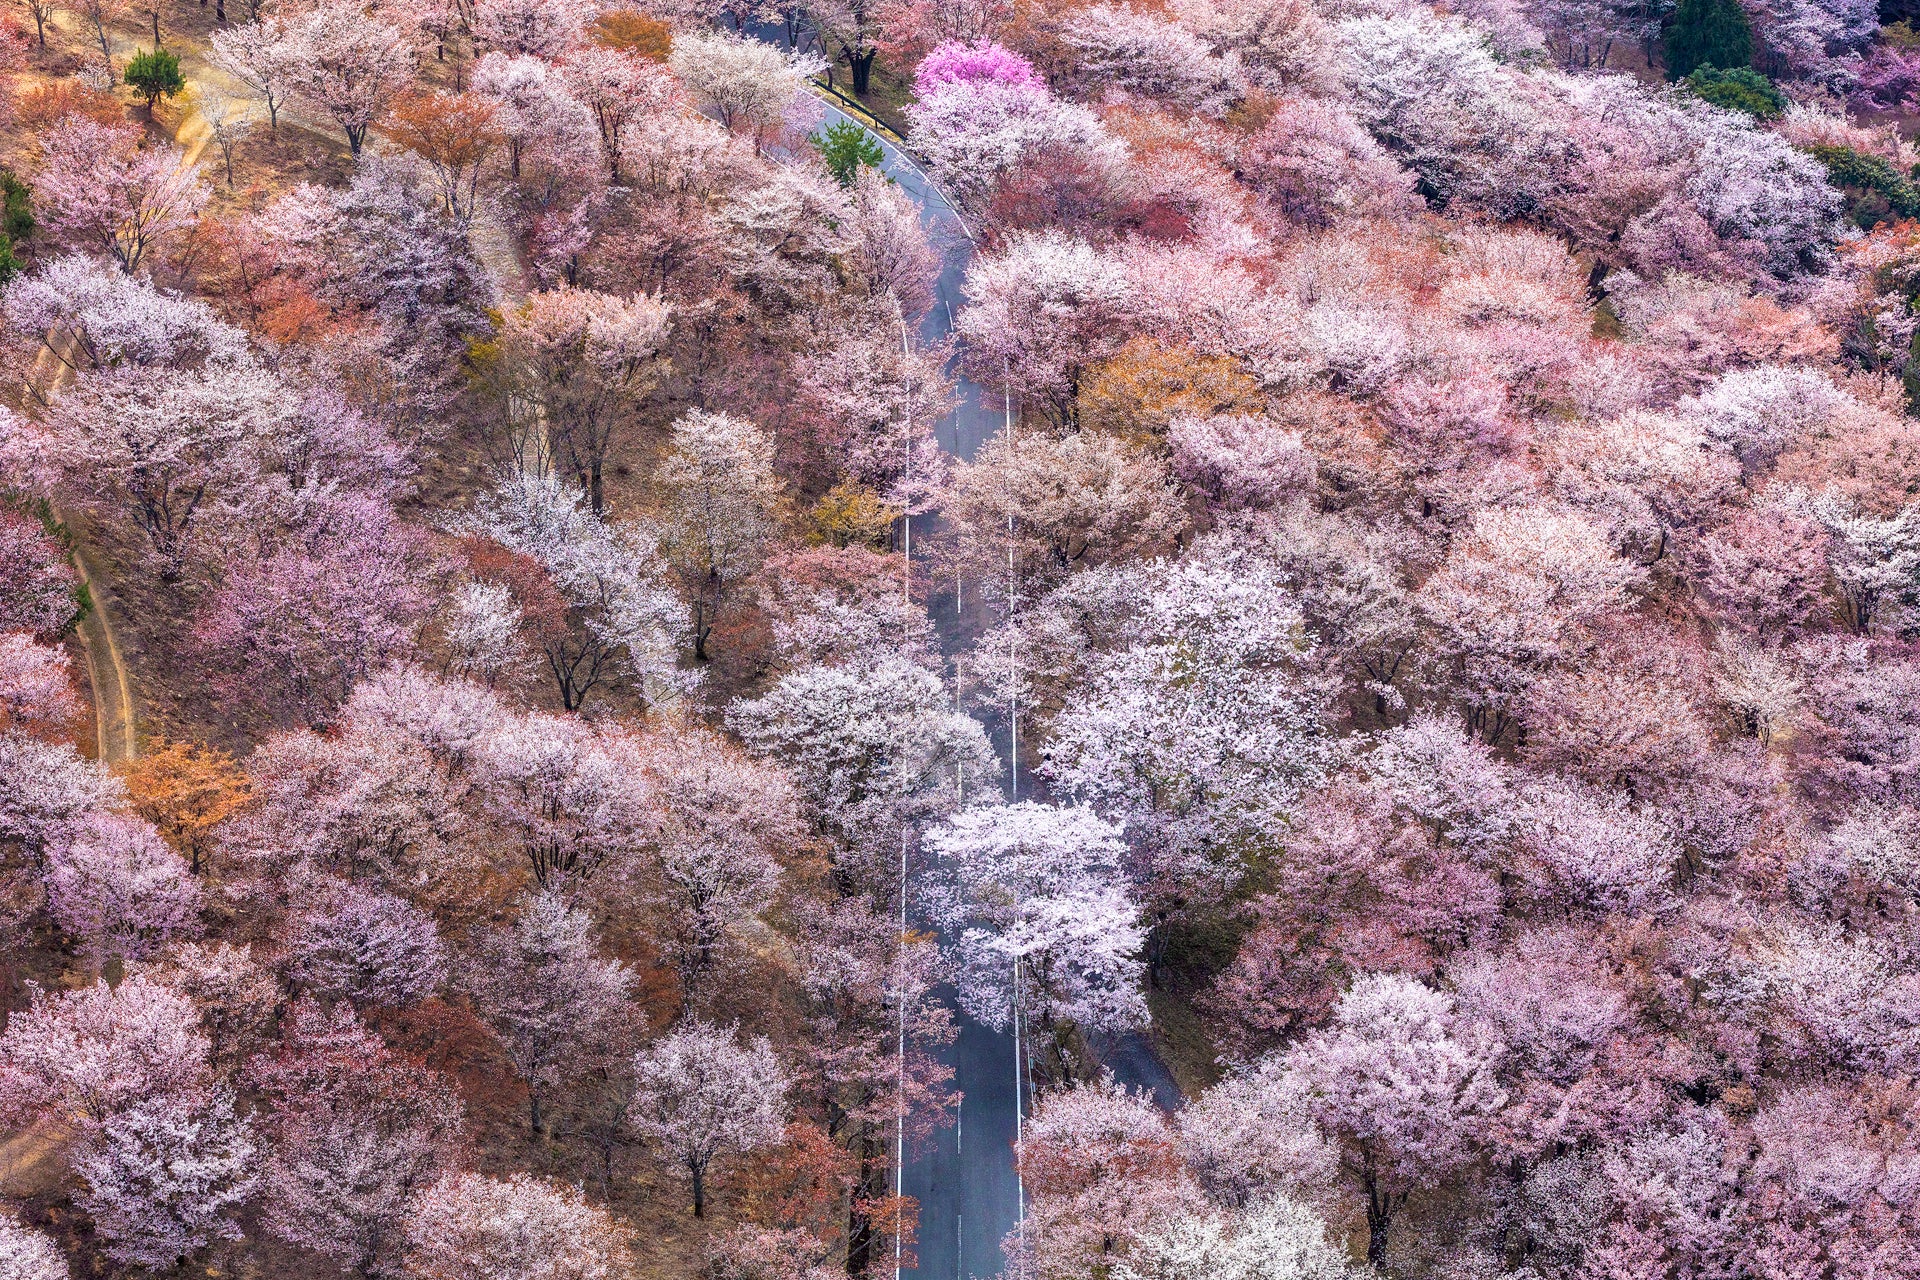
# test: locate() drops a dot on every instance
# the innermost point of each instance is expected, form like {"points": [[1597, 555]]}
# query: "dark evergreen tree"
{"points": [[1708, 32]]}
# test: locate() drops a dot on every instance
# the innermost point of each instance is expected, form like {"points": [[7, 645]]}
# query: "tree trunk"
{"points": [[156, 39], [699, 1172], [860, 1236], [533, 1112], [861, 64], [1379, 1218]]}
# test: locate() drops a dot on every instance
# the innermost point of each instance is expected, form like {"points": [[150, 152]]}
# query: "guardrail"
{"points": [[853, 107]]}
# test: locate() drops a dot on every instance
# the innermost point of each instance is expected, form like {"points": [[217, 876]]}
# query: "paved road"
{"points": [[969, 1195]]}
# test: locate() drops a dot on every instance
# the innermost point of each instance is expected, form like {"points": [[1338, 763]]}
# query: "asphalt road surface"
{"points": [[964, 1180]]}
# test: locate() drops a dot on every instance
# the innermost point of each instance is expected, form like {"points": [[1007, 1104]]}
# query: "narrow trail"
{"points": [[115, 709], [116, 732], [30, 1162], [115, 722]]}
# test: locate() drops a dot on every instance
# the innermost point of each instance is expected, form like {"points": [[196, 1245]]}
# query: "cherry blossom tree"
{"points": [[235, 994], [365, 946], [980, 131], [166, 1176], [581, 360], [483, 631], [343, 63], [618, 87], [161, 442], [470, 1225], [1400, 1094], [1036, 904], [1515, 596], [574, 800], [609, 576], [1202, 728], [1040, 314], [36, 685], [367, 805], [540, 121], [254, 53], [1249, 1137], [747, 84], [115, 884], [702, 1093], [44, 785], [723, 498], [865, 984], [1101, 1165], [280, 624], [873, 750], [721, 824], [97, 189], [1074, 499], [1155, 57], [1274, 1237], [90, 1054], [541, 28], [26, 1254], [357, 1131], [89, 316], [553, 1000], [36, 583]]}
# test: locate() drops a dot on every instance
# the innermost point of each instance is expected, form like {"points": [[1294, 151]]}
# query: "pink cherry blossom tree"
{"points": [[26, 1254], [618, 87], [721, 824], [1101, 1165], [541, 28], [281, 626], [701, 1093], [36, 583], [115, 884], [574, 799], [36, 685], [165, 1177], [343, 63], [556, 1004], [44, 785], [1399, 1093], [470, 1225], [365, 946], [1037, 906], [90, 1054], [99, 190], [160, 443], [357, 1131], [1040, 314]]}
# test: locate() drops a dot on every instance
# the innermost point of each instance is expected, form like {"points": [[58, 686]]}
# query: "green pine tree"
{"points": [[846, 147], [1708, 32], [154, 74]]}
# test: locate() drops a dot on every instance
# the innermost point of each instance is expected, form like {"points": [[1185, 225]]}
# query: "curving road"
{"points": [[969, 1195]]}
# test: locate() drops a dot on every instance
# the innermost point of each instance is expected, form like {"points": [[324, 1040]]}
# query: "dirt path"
{"points": [[115, 723], [29, 1160]]}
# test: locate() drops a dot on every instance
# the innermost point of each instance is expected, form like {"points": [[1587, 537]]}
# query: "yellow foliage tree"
{"points": [[633, 32], [1148, 383], [849, 514], [186, 789]]}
